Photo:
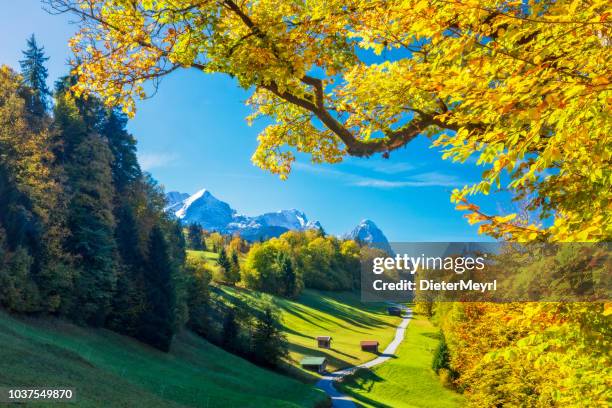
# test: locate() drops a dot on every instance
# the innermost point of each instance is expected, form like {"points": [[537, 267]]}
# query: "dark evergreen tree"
{"points": [[157, 321], [195, 237], [441, 358], [122, 144], [88, 187], [129, 298], [289, 277], [177, 241], [35, 76], [180, 278], [269, 343], [91, 224], [224, 263], [235, 260], [74, 119], [229, 335], [126, 176]]}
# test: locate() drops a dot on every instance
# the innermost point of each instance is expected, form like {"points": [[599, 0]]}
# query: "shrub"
{"points": [[441, 358]]}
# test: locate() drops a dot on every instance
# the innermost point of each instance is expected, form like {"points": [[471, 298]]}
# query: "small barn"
{"points": [[394, 311], [324, 342], [312, 363], [370, 346]]}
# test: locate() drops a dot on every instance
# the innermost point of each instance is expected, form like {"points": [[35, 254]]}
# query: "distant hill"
{"points": [[217, 215], [368, 232]]}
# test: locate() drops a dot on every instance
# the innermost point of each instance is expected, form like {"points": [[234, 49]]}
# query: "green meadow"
{"points": [[210, 257], [340, 315], [406, 381], [110, 370]]}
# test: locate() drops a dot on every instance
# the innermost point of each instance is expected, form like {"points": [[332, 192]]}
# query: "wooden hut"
{"points": [[370, 346], [324, 342], [312, 363], [394, 311]]}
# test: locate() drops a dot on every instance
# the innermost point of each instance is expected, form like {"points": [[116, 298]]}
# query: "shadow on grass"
{"points": [[361, 315], [342, 353], [435, 336], [333, 360], [292, 371], [363, 380], [343, 306]]}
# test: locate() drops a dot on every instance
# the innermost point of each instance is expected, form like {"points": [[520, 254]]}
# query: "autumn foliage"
{"points": [[523, 87], [520, 87]]}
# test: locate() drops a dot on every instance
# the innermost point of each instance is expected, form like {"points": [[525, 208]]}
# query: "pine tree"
{"points": [[230, 330], [126, 176], [122, 144], [194, 236], [35, 76], [157, 322], [289, 277], [269, 343], [224, 263], [92, 224], [88, 185], [129, 297]]}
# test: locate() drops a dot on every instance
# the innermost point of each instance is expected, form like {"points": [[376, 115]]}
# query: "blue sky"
{"points": [[193, 135]]}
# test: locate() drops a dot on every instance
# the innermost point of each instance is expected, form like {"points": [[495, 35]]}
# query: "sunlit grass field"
{"points": [[340, 315], [408, 380]]}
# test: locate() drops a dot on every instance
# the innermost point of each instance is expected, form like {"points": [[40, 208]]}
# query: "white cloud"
{"points": [[149, 161], [427, 179], [417, 180], [385, 167]]}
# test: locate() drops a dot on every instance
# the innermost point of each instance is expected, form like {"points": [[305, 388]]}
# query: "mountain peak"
{"points": [[174, 200], [216, 215], [368, 223], [368, 232], [205, 209]]}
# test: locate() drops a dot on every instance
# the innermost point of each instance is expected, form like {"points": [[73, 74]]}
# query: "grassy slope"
{"points": [[112, 370], [407, 381], [337, 314], [205, 255]]}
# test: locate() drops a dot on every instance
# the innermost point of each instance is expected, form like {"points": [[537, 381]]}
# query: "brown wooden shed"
{"points": [[370, 345], [324, 342]]}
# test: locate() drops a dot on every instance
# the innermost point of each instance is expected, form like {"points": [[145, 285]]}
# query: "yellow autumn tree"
{"points": [[521, 86]]}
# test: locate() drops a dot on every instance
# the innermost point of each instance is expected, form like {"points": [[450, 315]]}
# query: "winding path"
{"points": [[326, 383]]}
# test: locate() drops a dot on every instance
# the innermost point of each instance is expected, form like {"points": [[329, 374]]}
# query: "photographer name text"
{"points": [[407, 285]]}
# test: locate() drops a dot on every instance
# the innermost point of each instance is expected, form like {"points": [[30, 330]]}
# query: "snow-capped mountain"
{"points": [[290, 219], [216, 215], [367, 232], [174, 200], [207, 210]]}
